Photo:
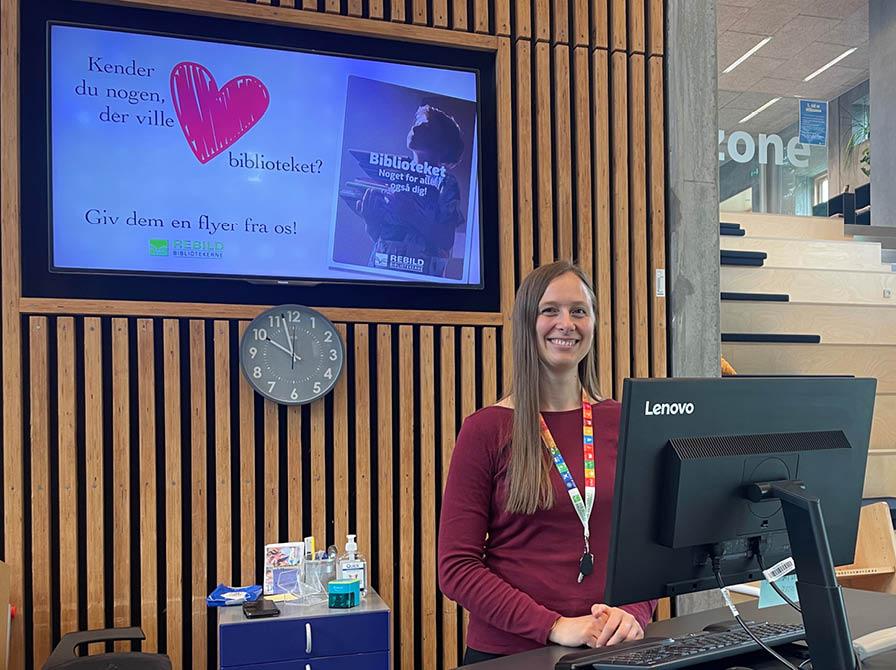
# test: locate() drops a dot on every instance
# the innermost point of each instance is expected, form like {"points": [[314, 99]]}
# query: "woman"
{"points": [[513, 546]]}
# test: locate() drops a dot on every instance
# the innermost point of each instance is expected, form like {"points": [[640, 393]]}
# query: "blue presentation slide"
{"points": [[186, 156]]}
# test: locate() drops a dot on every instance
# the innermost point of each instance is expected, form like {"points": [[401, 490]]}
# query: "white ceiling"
{"points": [[806, 34]]}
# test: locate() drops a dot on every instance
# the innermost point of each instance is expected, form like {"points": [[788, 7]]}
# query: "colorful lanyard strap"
{"points": [[583, 507]]}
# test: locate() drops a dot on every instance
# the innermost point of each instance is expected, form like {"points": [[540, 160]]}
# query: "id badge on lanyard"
{"points": [[583, 507]]}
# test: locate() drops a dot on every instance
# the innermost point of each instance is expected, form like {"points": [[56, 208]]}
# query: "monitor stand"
{"points": [[821, 600]]}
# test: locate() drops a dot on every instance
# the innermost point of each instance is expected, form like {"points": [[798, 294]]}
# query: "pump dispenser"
{"points": [[352, 565]]}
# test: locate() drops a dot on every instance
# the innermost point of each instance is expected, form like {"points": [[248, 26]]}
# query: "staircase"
{"points": [[820, 302]]}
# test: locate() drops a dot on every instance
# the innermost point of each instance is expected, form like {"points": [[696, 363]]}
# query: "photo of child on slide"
{"points": [[400, 211]]}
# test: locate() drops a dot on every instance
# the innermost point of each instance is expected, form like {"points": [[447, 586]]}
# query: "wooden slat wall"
{"points": [[153, 413]]}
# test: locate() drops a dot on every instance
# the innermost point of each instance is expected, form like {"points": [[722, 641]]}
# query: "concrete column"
{"points": [[692, 190], [882, 28], [692, 203]]}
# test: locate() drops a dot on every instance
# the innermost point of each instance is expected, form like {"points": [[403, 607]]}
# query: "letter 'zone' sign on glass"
{"points": [[742, 148], [664, 408]]}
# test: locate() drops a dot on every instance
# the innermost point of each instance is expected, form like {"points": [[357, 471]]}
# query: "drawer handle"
{"points": [[307, 642]]}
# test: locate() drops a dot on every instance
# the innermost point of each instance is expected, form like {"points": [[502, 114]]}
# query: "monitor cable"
{"points": [[717, 571]]}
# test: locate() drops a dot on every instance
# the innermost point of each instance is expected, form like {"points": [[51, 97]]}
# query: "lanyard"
{"points": [[583, 507]]}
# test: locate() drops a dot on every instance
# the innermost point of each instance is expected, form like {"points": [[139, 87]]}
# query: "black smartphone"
{"points": [[258, 609]]}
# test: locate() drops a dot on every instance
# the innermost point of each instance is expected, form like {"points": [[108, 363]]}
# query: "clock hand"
{"points": [[292, 346], [282, 348]]}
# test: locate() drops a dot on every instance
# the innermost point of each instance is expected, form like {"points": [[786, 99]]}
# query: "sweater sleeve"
{"points": [[463, 574], [643, 611]]}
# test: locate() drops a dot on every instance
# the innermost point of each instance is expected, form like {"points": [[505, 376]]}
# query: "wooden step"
{"points": [[837, 323], [883, 425], [790, 227], [880, 476], [823, 254], [813, 285], [861, 360]]}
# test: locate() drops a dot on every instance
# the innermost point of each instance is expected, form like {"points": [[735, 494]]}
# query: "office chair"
{"points": [[64, 656]]}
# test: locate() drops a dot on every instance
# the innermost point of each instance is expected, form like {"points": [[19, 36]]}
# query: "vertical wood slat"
{"points": [[600, 23], [655, 27], [93, 447], [355, 8], [618, 24], [505, 201], [198, 495], [271, 486], [636, 26], [638, 215], [121, 469], [331, 6], [294, 465], [523, 162], [657, 209], [502, 17], [310, 5], [149, 540], [14, 485], [522, 25], [361, 407], [223, 474], [480, 16], [459, 15], [428, 577], [67, 451], [601, 219], [173, 530], [384, 462], [562, 142], [541, 20], [582, 152], [406, 493], [318, 474], [621, 283], [397, 13], [581, 24], [440, 13], [560, 22], [247, 475], [41, 599], [449, 430], [340, 452], [544, 163], [489, 367], [467, 404], [420, 16], [375, 9]]}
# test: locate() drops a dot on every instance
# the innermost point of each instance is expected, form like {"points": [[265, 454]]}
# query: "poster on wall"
{"points": [[186, 156], [814, 122]]}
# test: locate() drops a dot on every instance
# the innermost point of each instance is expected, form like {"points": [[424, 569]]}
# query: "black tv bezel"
{"points": [[40, 280]]}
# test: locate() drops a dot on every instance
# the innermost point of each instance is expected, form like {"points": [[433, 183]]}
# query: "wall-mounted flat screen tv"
{"points": [[241, 151]]}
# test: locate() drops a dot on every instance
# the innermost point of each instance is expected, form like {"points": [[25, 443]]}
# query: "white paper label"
{"points": [[778, 570], [661, 282], [727, 596]]}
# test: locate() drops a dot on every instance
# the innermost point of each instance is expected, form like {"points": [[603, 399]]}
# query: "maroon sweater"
{"points": [[516, 574]]}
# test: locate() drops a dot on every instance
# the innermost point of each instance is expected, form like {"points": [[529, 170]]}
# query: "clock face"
{"points": [[291, 354]]}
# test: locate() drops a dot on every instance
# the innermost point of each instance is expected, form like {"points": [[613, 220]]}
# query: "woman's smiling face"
{"points": [[565, 324]]}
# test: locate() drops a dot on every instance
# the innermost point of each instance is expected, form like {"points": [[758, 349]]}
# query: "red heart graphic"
{"points": [[213, 119]]}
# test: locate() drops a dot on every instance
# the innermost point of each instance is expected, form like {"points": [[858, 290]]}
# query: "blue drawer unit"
{"points": [[307, 638]]}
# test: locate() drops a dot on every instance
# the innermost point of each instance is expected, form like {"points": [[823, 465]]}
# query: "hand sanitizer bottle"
{"points": [[352, 565]]}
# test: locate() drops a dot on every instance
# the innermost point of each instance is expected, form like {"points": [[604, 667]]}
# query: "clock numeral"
{"points": [[316, 388], [329, 373], [294, 395], [271, 386], [333, 354], [328, 336], [313, 322], [260, 333], [294, 316], [274, 320], [256, 372], [253, 351]]}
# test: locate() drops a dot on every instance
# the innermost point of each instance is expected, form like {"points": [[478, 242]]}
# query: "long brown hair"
{"points": [[529, 484]]}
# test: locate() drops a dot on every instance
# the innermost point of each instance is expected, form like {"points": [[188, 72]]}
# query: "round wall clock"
{"points": [[291, 354]]}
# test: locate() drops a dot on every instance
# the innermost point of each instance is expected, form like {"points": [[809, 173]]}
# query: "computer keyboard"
{"points": [[683, 651]]}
